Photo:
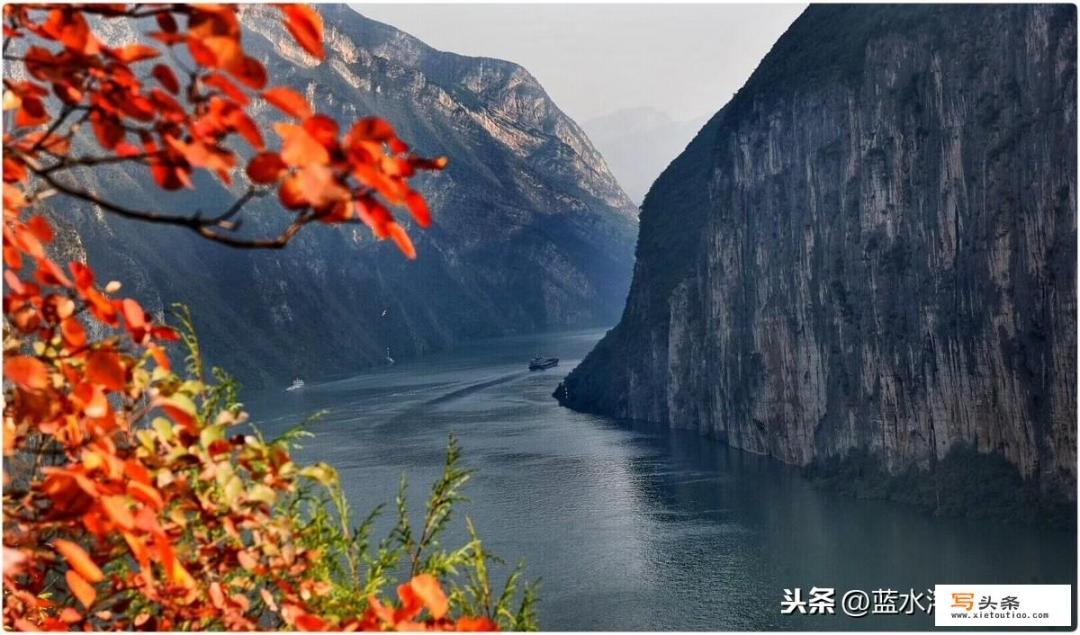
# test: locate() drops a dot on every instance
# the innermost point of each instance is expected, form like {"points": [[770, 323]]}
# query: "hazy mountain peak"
{"points": [[638, 144]]}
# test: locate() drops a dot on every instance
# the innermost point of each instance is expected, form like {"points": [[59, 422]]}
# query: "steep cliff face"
{"points": [[531, 232], [872, 247]]}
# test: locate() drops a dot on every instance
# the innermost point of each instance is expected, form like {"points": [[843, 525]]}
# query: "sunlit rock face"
{"points": [[531, 231], [871, 247]]}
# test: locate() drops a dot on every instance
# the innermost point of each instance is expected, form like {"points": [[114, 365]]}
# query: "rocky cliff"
{"points": [[871, 248], [531, 231]]}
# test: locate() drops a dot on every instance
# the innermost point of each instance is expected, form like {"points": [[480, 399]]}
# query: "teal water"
{"points": [[628, 526]]}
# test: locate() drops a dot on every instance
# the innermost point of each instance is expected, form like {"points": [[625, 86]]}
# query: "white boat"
{"points": [[297, 384]]}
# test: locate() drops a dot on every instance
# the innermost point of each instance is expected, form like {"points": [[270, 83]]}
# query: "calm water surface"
{"points": [[631, 527]]}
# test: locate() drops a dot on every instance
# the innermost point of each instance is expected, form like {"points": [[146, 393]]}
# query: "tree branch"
{"points": [[209, 228]]}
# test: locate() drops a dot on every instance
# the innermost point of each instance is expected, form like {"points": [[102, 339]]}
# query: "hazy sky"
{"points": [[685, 60]]}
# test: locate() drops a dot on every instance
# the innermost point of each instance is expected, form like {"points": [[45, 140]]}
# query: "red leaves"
{"points": [[31, 113], [177, 124], [401, 239], [136, 320], [27, 372], [79, 560], [80, 588], [73, 333], [266, 167], [103, 367], [68, 26], [426, 589], [135, 53], [214, 36], [39, 227], [475, 624], [306, 26], [166, 77], [116, 508], [418, 208], [371, 129], [421, 592], [138, 457], [250, 73], [322, 129], [107, 128], [288, 101], [299, 148]]}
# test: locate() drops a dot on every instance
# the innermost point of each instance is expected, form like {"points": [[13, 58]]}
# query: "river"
{"points": [[628, 526]]}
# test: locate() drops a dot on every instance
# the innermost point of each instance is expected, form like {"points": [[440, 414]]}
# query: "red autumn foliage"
{"points": [[141, 113], [127, 502]]}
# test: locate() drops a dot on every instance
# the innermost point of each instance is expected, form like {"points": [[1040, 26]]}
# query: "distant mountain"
{"points": [[638, 143], [866, 261], [532, 232]]}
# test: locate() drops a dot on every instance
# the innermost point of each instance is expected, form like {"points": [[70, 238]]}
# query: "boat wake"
{"points": [[420, 409], [473, 388]]}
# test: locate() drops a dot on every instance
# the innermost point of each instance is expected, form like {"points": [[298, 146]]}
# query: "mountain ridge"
{"points": [[531, 231]]}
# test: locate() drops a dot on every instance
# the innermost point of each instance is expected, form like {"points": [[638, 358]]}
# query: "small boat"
{"points": [[296, 384], [540, 363]]}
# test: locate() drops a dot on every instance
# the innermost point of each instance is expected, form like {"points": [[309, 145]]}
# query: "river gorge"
{"points": [[628, 525]]}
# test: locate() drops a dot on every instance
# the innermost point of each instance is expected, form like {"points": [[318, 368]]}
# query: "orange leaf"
{"points": [[73, 332], [69, 27], [246, 560], [179, 576], [104, 367], [222, 83], [217, 596], [306, 26], [309, 622], [79, 560], [323, 129], [40, 228], [401, 239], [246, 128], [291, 193], [218, 51], [135, 53], [134, 314], [299, 148], [118, 511], [266, 167], [14, 170], [145, 494], [427, 588], [319, 187], [27, 372], [159, 356], [82, 590], [475, 624], [288, 101], [418, 208]]}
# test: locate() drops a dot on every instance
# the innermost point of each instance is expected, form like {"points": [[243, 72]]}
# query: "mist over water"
{"points": [[630, 526]]}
